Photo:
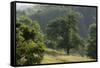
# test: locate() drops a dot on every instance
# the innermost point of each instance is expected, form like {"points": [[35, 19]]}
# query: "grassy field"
{"points": [[53, 56]]}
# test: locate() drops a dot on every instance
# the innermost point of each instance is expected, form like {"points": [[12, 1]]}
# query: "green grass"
{"points": [[64, 58], [53, 56], [54, 52]]}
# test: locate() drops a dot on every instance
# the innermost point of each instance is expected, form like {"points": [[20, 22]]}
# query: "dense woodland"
{"points": [[44, 32]]}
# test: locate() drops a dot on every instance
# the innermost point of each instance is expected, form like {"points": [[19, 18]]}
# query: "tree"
{"points": [[92, 42], [64, 32], [29, 42]]}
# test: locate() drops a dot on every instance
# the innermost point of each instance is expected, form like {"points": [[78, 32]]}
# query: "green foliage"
{"points": [[92, 42], [29, 42], [63, 31], [44, 14]]}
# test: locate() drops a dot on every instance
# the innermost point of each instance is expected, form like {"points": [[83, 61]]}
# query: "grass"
{"points": [[53, 56], [54, 52], [64, 58]]}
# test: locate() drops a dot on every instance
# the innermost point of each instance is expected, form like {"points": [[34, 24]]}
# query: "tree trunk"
{"points": [[68, 51]]}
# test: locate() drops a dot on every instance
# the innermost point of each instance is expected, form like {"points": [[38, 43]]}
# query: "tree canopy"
{"points": [[92, 45], [63, 31], [29, 45]]}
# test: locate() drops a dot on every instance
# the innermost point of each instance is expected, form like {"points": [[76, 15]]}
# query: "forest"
{"points": [[55, 34]]}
